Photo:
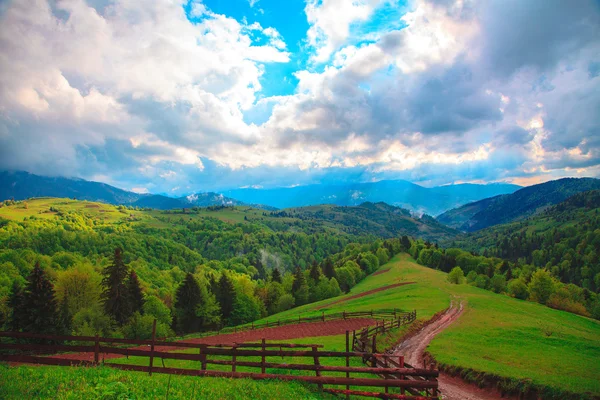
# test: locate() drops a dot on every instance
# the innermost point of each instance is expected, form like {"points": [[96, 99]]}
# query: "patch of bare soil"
{"points": [[452, 388], [383, 271], [368, 292], [286, 332]]}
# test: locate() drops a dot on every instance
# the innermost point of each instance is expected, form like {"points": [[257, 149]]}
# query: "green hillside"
{"points": [[564, 239], [524, 342], [379, 219], [521, 343], [516, 206]]}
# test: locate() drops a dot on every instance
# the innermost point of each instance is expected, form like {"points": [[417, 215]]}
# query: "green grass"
{"points": [[510, 339], [497, 335], [107, 383]]}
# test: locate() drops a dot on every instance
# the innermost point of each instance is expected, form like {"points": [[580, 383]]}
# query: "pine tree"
{"points": [[39, 312], [405, 242], [64, 318], [187, 300], [315, 272], [15, 303], [226, 296], [300, 287], [328, 268], [115, 297], [262, 274], [276, 275], [134, 291], [299, 279]]}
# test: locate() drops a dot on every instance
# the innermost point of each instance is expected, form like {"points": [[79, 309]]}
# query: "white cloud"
{"points": [[330, 22]]}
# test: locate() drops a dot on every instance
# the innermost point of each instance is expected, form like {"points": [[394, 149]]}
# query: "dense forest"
{"points": [[112, 270], [88, 268], [557, 250]]}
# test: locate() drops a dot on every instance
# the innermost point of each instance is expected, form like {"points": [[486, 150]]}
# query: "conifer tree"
{"points": [[328, 268], [187, 300], [405, 242], [15, 303], [315, 272], [262, 273], [276, 275], [39, 312], [115, 297], [226, 296], [134, 291], [64, 317], [300, 287]]}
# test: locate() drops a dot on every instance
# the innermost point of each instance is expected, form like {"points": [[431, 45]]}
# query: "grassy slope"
{"points": [[496, 334], [106, 383]]}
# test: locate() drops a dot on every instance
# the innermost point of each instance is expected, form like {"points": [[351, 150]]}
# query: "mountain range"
{"points": [[21, 185], [419, 199], [515, 206]]}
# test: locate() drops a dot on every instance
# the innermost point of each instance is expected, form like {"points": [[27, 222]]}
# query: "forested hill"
{"points": [[564, 238], [18, 185], [518, 205], [379, 219], [249, 263]]}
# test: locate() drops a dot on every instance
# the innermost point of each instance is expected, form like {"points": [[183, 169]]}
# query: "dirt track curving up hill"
{"points": [[452, 388]]}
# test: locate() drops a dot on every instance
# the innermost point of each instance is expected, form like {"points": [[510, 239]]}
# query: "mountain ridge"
{"points": [[20, 185], [515, 206]]}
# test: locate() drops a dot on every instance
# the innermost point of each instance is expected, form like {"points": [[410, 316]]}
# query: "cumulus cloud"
{"points": [[157, 95]]}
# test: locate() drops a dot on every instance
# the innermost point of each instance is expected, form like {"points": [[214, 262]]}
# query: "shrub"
{"points": [[541, 286], [456, 276], [498, 283], [518, 289]]}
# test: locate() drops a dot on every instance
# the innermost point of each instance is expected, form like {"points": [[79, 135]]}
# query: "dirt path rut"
{"points": [[452, 388]]}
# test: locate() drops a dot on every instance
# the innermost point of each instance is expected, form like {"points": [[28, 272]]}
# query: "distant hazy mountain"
{"points": [[20, 185], [515, 206], [400, 193]]}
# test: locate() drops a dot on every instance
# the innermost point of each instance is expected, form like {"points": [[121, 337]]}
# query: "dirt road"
{"points": [[452, 388]]}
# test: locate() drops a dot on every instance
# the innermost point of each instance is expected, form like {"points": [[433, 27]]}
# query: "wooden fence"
{"points": [[374, 314], [386, 378], [365, 340]]}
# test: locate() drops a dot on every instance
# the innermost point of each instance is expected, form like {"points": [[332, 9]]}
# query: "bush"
{"points": [[92, 321], [482, 282], [140, 327], [541, 286], [471, 277], [518, 289], [285, 302], [498, 283], [456, 276]]}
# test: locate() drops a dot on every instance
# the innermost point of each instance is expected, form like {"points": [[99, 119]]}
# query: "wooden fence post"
{"points": [[315, 350], [152, 346], [323, 315], [262, 369], [233, 357], [374, 345], [203, 357], [97, 350], [401, 365], [348, 358]]}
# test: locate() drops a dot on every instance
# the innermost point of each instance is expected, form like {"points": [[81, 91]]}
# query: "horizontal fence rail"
{"points": [[381, 376]]}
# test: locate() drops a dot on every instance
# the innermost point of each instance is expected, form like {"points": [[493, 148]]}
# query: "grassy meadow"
{"points": [[522, 343]]}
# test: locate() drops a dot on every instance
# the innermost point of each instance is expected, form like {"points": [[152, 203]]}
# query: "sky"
{"points": [[175, 97]]}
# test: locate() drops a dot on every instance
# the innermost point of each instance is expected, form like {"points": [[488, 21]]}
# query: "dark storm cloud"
{"points": [[536, 33]]}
